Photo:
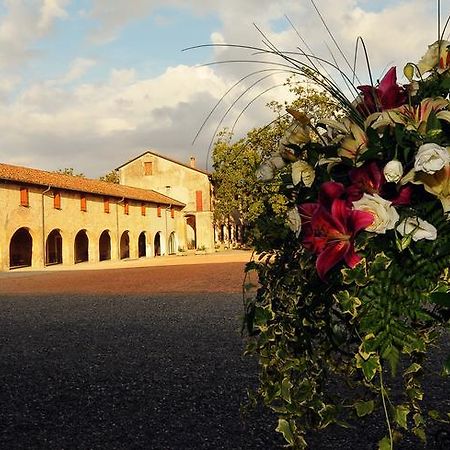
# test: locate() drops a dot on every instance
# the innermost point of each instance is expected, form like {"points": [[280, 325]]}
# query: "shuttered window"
{"points": [[126, 207], [106, 205], [24, 197], [57, 200], [148, 168], [172, 212], [158, 211], [199, 200], [143, 208], [83, 202]]}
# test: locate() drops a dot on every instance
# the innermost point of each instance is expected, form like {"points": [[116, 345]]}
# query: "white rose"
{"points": [[294, 220], [266, 171], [384, 214], [431, 58], [430, 158], [393, 171], [303, 172], [417, 228]]}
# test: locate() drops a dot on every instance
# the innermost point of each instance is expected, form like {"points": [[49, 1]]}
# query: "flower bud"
{"points": [[408, 71], [393, 171]]}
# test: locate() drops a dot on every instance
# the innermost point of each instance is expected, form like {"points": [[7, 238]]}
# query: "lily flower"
{"points": [[437, 184], [332, 233], [387, 95]]}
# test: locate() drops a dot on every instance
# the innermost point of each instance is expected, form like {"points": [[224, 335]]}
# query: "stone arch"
{"points": [[158, 244], [53, 248], [21, 248], [81, 247], [125, 245], [191, 232], [172, 244], [104, 246], [142, 245]]}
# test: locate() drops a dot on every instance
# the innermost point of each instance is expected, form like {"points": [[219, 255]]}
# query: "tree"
{"points": [[111, 177], [70, 171], [236, 188]]}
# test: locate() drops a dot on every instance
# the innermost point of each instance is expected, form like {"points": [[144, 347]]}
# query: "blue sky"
{"points": [[90, 84]]}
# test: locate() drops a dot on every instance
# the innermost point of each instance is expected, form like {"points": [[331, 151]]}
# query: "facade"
{"points": [[48, 218], [186, 183]]}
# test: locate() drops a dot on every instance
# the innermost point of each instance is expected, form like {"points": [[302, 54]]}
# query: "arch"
{"points": [[21, 249], [104, 246], [81, 247], [173, 243], [125, 245], [191, 232], [142, 245], [53, 248], [158, 244]]}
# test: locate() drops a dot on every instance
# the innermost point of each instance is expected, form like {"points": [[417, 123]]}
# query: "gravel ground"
{"points": [[139, 372]]}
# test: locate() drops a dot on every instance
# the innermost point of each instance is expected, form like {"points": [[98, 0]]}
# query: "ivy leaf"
{"points": [[357, 275], [286, 387], [364, 408], [348, 303], [434, 414], [263, 315], [369, 366], [401, 415], [413, 368], [385, 444], [285, 429]]}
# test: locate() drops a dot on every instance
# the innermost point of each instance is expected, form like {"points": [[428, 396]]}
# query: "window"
{"points": [[143, 208], [199, 200], [57, 200], [148, 168], [172, 212], [83, 203], [24, 197], [126, 207], [106, 205], [158, 211]]}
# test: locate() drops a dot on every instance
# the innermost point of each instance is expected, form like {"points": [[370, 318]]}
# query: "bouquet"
{"points": [[359, 290]]}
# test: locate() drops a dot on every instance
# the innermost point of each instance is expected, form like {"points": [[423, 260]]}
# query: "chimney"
{"points": [[192, 162]]}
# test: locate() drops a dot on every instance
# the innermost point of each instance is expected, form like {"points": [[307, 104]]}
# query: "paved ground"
{"points": [[156, 366]]}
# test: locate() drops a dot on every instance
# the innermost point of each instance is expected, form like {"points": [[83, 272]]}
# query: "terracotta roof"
{"points": [[79, 184], [166, 158]]}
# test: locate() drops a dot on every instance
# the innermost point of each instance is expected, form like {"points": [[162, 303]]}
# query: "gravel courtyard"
{"points": [[135, 370]]}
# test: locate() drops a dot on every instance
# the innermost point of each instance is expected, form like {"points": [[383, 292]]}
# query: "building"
{"points": [[48, 218], [186, 183]]}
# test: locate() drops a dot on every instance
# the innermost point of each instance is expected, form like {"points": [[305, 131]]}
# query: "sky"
{"points": [[91, 84]]}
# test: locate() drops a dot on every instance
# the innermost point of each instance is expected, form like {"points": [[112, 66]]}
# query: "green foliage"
{"points": [[237, 191], [383, 314], [111, 177]]}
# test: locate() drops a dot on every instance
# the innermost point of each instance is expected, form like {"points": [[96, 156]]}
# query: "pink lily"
{"points": [[331, 234], [387, 95]]}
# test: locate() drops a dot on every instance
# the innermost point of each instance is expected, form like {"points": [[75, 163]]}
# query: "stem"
{"points": [[385, 409]]}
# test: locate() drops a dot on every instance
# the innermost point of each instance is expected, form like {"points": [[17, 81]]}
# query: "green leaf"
{"points": [[357, 275], [348, 303], [434, 414], [440, 298], [263, 315], [385, 444], [413, 368], [401, 415], [285, 429], [369, 366], [364, 408], [286, 387]]}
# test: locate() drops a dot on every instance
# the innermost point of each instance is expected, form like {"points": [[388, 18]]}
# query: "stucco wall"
{"points": [[40, 218], [181, 183]]}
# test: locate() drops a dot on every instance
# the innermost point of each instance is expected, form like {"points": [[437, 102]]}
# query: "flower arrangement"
{"points": [[359, 290]]}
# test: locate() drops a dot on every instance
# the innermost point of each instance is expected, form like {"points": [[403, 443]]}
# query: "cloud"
{"points": [[22, 25], [95, 126]]}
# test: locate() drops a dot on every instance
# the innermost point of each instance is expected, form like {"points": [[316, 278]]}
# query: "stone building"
{"points": [[186, 183], [48, 218]]}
